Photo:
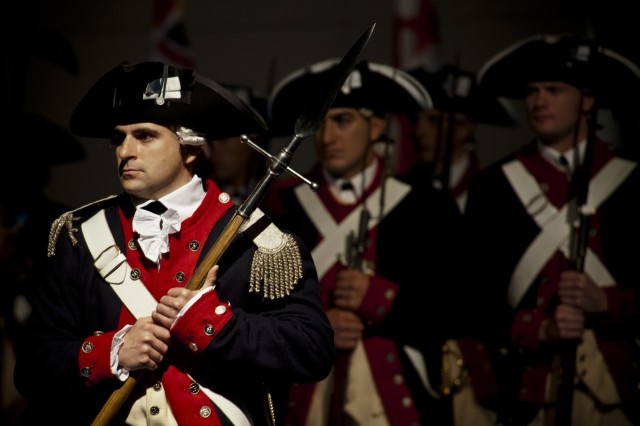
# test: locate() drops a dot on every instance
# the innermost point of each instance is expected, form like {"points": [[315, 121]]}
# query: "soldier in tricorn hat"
{"points": [[117, 300], [444, 138], [550, 226], [445, 135], [384, 297]]}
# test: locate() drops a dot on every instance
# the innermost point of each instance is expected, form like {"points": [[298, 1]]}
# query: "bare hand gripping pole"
{"points": [[308, 122]]}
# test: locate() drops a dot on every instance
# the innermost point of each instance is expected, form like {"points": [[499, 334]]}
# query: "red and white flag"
{"points": [[416, 43], [169, 39], [416, 35]]}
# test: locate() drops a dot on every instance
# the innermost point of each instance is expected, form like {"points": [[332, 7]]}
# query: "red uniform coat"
{"points": [[410, 292], [232, 351], [500, 231]]}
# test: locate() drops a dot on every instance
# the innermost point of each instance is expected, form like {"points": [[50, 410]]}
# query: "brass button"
{"points": [[87, 347], [193, 347], [391, 357], [220, 310], [86, 372], [205, 411], [526, 318], [98, 333], [157, 386], [406, 402], [398, 379], [180, 277], [194, 388], [132, 244], [194, 245], [224, 198], [154, 410], [389, 294], [135, 274], [208, 330]]}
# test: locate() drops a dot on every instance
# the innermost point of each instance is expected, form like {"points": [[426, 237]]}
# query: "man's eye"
{"points": [[341, 119], [117, 139]]}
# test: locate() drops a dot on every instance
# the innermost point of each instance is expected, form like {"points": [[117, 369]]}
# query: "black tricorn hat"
{"points": [[582, 62], [377, 87], [251, 96], [455, 90], [163, 94]]}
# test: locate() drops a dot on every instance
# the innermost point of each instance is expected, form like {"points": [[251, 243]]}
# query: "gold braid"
{"points": [[64, 221]]}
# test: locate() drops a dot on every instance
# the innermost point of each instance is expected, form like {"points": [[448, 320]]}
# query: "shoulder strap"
{"points": [[554, 229], [334, 234], [112, 265]]}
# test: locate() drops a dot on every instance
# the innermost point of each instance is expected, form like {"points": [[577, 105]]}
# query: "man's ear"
{"points": [[587, 102], [190, 153], [377, 126]]}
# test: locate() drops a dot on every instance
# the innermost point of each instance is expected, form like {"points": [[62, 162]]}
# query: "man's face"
{"points": [[553, 109], [231, 161], [431, 129], [151, 162], [344, 141]]}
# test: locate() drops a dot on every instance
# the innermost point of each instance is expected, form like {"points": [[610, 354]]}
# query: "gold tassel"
{"points": [[64, 221], [276, 271]]}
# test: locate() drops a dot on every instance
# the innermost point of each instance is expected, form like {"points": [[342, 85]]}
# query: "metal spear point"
{"points": [[307, 123]]}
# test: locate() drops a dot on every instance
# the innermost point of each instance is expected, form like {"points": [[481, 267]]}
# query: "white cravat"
{"points": [[154, 231]]}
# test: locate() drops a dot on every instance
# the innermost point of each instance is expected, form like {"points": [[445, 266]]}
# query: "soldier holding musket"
{"points": [[552, 234], [116, 300], [386, 306]]}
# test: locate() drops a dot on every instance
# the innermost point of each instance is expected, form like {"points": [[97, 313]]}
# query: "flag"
{"points": [[169, 39], [415, 43], [416, 35]]}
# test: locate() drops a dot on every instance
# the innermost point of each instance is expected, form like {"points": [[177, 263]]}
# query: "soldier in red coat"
{"points": [[117, 302], [550, 225], [445, 135], [383, 251], [445, 143]]}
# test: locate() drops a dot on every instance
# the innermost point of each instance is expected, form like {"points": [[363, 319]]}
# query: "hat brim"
{"points": [[201, 104], [377, 87], [613, 79], [466, 97]]}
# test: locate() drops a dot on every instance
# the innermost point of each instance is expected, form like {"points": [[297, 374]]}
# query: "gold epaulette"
{"points": [[276, 265], [66, 221]]}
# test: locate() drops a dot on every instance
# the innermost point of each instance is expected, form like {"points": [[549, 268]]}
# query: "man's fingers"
{"points": [[212, 276]]}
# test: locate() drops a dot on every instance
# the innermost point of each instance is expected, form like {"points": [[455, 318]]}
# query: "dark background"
{"points": [[257, 42]]}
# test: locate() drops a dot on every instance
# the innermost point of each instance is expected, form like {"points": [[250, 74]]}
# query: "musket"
{"points": [[307, 123], [567, 348], [356, 246], [452, 90]]}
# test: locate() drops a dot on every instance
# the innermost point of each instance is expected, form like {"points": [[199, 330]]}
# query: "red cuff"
{"points": [[378, 301], [94, 361], [202, 322], [525, 331], [478, 364]]}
